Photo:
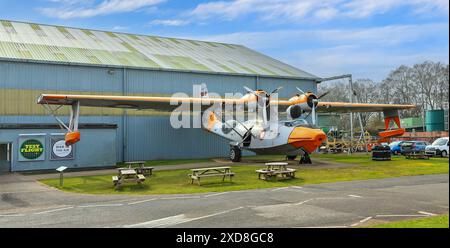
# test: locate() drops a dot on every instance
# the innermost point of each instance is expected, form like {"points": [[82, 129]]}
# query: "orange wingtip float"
{"points": [[72, 138], [385, 136]]}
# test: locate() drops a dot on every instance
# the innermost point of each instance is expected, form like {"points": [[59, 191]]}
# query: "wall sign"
{"points": [[59, 150], [31, 148]]}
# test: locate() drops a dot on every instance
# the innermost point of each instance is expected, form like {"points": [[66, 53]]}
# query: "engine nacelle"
{"points": [[305, 101], [294, 112]]}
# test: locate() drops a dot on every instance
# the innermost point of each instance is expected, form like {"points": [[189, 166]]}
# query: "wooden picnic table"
{"points": [[141, 168], [211, 172], [127, 175], [281, 166], [276, 170], [131, 163], [420, 155]]}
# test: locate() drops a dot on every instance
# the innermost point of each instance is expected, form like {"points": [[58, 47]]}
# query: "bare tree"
{"points": [[425, 85]]}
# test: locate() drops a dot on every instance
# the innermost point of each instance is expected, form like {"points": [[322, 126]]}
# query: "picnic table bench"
{"points": [[141, 168], [223, 172], [414, 155], [277, 170], [127, 175]]}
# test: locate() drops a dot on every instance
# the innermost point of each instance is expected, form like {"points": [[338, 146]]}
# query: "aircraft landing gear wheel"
{"points": [[235, 154], [291, 158], [305, 159]]}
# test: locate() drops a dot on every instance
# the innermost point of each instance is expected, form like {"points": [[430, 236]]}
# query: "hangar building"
{"points": [[36, 59]]}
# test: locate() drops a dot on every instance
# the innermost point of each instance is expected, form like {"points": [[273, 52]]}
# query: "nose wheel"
{"points": [[235, 154], [305, 159]]}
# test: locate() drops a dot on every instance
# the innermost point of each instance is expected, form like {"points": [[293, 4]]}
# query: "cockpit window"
{"points": [[228, 126]]}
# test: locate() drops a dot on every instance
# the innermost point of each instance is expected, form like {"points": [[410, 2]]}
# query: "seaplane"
{"points": [[261, 132]]}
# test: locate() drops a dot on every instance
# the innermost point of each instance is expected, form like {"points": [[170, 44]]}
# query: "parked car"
{"points": [[413, 147], [395, 147], [438, 148]]}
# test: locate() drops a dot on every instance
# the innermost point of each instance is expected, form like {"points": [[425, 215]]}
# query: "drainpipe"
{"points": [[124, 115]]}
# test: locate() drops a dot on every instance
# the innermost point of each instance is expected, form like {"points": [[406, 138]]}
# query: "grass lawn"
{"points": [[426, 222], [177, 182]]}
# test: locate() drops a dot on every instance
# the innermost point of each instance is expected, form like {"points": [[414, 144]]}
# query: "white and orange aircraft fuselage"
{"points": [[261, 134]]}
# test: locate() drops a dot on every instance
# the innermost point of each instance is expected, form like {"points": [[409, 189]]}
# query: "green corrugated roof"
{"points": [[31, 41]]}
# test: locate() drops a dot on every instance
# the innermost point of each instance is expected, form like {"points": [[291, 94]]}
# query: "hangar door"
{"points": [[5, 157]]}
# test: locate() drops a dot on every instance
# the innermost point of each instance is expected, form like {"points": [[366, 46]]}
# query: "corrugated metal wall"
{"points": [[85, 156], [141, 134]]}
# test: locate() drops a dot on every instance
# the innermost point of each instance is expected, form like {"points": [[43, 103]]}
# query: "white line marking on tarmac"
{"points": [[426, 213], [25, 192], [143, 201], [280, 188], [11, 215], [53, 210], [296, 187], [102, 205], [206, 196], [355, 196], [159, 222], [180, 197], [300, 203], [299, 189], [361, 221], [175, 220]]}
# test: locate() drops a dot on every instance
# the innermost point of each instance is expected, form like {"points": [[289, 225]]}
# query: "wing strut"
{"points": [[72, 135]]}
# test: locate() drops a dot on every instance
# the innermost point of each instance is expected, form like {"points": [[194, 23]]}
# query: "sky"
{"points": [[366, 38]]}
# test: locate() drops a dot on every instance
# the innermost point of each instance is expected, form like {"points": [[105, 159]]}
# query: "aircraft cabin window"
{"points": [[228, 126]]}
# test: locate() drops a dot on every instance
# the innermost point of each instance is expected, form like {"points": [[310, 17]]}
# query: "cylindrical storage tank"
{"points": [[434, 120]]}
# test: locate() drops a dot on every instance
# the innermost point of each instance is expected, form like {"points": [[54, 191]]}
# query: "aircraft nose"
{"points": [[307, 138]]}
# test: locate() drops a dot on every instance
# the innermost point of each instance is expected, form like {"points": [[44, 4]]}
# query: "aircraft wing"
{"points": [[164, 103], [342, 107], [345, 107], [132, 102]]}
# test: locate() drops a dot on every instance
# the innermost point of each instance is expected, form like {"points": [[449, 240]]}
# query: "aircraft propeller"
{"points": [[258, 95], [265, 97], [323, 95], [312, 101]]}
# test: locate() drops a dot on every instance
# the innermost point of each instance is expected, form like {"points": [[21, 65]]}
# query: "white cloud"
{"points": [[361, 62], [364, 8], [88, 8], [296, 10], [119, 28], [368, 52], [270, 9], [384, 36], [169, 22]]}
